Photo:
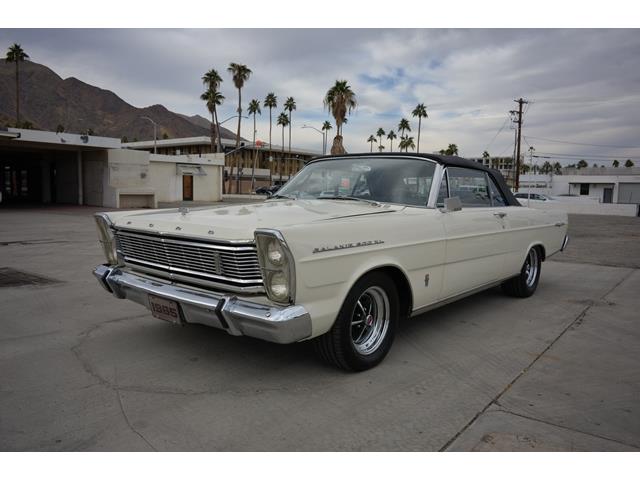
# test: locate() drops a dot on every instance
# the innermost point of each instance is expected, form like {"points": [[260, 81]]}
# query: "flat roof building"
{"points": [[42, 167], [266, 165]]}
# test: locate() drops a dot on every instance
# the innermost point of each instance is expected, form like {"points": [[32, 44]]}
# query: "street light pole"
{"points": [[155, 134], [324, 140]]}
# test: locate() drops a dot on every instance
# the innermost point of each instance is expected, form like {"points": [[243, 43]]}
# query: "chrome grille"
{"points": [[217, 263]]}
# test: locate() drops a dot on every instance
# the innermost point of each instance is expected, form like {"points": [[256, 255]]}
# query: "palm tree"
{"points": [[60, 128], [452, 149], [380, 148], [339, 100], [582, 164], [283, 120], [270, 102], [391, 136], [380, 133], [16, 54], [546, 168], [404, 125], [616, 163], [421, 112], [290, 106], [486, 158], [372, 140], [629, 163], [254, 109], [408, 144], [213, 99], [239, 73], [212, 81], [326, 126], [557, 168]]}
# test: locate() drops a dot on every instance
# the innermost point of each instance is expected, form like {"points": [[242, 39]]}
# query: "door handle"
{"points": [[500, 214]]}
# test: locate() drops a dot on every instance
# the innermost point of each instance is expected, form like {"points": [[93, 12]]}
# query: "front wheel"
{"points": [[365, 327], [525, 284]]}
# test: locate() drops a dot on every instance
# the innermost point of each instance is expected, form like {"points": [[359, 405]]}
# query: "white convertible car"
{"points": [[344, 251]]}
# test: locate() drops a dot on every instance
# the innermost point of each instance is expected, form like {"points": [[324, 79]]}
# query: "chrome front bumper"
{"points": [[237, 316]]}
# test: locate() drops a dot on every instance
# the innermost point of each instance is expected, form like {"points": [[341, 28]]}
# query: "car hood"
{"points": [[238, 222]]}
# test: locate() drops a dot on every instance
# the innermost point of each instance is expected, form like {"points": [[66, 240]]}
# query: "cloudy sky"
{"points": [[583, 85]]}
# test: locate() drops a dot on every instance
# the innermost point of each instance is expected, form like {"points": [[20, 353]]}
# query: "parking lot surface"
{"points": [[82, 370]]}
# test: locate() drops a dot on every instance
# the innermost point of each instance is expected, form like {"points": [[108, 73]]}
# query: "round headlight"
{"points": [[279, 286], [275, 255]]}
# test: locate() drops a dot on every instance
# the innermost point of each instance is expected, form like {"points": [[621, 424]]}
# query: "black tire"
{"points": [[338, 346], [525, 284]]}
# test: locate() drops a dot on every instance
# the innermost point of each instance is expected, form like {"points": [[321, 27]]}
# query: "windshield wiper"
{"points": [[346, 197]]}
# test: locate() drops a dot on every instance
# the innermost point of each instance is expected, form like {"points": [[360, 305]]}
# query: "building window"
{"points": [[584, 189]]}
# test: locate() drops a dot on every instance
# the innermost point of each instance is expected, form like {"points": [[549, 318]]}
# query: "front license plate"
{"points": [[164, 309]]}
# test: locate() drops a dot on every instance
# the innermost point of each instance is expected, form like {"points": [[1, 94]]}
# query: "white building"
{"points": [[604, 185], [41, 167]]}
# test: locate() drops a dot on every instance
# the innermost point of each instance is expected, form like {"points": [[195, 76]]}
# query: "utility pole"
{"points": [[520, 103]]}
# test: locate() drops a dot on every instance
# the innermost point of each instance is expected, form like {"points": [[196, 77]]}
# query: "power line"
{"points": [[589, 157], [578, 143], [498, 133]]}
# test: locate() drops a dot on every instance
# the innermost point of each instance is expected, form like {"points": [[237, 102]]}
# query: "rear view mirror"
{"points": [[452, 204]]}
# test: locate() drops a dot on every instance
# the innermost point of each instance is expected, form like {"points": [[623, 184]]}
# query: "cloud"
{"points": [[583, 84]]}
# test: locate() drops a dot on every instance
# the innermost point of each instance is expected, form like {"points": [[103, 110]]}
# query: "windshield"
{"points": [[379, 179]]}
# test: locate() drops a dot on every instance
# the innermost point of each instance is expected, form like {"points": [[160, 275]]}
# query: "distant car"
{"points": [[533, 197], [344, 251], [268, 190]]}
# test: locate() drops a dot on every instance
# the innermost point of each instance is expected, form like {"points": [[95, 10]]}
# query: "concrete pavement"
{"points": [[82, 370]]}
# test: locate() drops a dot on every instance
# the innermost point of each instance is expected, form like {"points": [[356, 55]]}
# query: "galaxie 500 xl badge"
{"points": [[364, 243]]}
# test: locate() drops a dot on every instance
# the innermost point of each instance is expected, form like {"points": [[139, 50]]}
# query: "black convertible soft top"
{"points": [[446, 160]]}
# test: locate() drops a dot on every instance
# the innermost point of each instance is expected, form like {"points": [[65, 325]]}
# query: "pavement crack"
{"points": [[124, 414], [576, 321], [546, 422]]}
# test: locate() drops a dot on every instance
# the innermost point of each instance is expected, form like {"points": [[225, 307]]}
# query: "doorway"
{"points": [[608, 195], [187, 188]]}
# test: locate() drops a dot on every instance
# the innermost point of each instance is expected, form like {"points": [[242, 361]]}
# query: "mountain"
{"points": [[47, 100]]}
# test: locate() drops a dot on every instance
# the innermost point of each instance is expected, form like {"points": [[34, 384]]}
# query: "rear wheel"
{"points": [[365, 327], [525, 284]]}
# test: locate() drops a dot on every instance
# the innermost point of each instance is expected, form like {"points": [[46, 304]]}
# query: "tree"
{"points": [[547, 168], [16, 54], [283, 120], [628, 163], [421, 112], [380, 133], [452, 149], [290, 106], [371, 141], [486, 158], [524, 168], [254, 109], [326, 126], [616, 163], [409, 144], [213, 98], [557, 168], [340, 100], [165, 136], [391, 136], [404, 126], [240, 74], [124, 139], [582, 164], [60, 128], [270, 102], [380, 148]]}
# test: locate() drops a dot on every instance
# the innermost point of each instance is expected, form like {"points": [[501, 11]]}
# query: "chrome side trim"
{"points": [[446, 301], [286, 324]]}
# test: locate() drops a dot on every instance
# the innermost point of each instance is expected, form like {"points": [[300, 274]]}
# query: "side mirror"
{"points": [[452, 204]]}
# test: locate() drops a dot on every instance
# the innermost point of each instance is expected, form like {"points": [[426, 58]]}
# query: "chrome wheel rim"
{"points": [[370, 320], [531, 268]]}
